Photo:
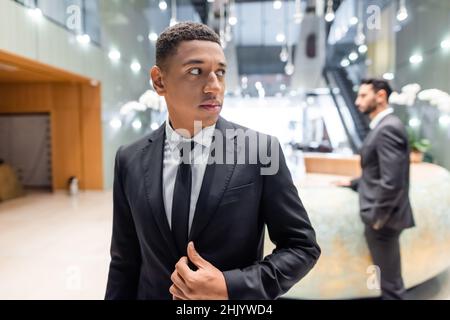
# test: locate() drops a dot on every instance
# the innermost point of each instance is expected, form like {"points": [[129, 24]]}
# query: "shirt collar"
{"points": [[204, 137], [375, 121]]}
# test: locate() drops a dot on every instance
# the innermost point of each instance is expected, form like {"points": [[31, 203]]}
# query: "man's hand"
{"points": [[342, 183], [207, 283]]}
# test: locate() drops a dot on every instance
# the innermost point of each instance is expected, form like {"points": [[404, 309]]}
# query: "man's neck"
{"points": [[378, 111], [187, 131]]}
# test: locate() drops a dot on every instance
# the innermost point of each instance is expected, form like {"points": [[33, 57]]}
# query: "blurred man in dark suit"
{"points": [[384, 185]]}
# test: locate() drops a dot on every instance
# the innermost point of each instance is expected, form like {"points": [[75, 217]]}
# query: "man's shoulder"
{"points": [[393, 124], [135, 145], [131, 150], [392, 129]]}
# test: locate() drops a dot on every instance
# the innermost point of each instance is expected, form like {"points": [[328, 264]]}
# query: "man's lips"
{"points": [[211, 105]]}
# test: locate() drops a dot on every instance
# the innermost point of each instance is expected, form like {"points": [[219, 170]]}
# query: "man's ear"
{"points": [[382, 95], [157, 80]]}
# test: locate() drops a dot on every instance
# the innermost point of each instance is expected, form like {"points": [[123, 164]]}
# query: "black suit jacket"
{"points": [[235, 203], [384, 185]]}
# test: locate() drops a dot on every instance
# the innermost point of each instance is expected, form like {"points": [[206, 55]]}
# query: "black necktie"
{"points": [[182, 199]]}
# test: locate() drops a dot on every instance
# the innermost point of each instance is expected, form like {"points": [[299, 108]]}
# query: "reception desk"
{"points": [[343, 270]]}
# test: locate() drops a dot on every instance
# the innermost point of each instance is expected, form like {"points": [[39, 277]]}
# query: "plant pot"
{"points": [[416, 157]]}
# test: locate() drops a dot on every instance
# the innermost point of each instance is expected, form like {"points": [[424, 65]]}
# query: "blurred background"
{"points": [[74, 86]]}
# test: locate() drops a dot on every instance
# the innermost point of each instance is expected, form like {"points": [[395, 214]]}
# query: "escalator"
{"points": [[356, 124]]}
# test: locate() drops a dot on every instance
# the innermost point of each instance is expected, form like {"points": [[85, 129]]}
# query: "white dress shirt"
{"points": [[375, 121], [199, 160]]}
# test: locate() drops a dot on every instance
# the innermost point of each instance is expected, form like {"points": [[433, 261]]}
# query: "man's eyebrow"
{"points": [[196, 61], [193, 61]]}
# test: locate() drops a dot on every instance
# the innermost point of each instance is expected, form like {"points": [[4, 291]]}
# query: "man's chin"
{"points": [[366, 111], [209, 118]]}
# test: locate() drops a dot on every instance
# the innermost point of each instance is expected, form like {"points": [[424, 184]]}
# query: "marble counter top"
{"points": [[343, 270]]}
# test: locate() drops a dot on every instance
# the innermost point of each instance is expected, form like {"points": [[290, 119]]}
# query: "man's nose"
{"points": [[213, 84]]}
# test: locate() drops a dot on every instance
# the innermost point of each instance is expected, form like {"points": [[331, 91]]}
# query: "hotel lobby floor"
{"points": [[53, 246]]}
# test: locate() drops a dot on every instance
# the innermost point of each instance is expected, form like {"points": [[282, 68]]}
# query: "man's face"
{"points": [[194, 83], [367, 99]]}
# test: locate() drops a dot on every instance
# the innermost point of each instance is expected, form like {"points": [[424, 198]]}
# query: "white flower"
{"points": [[412, 88], [436, 98], [407, 96], [153, 101], [132, 106], [410, 92], [397, 98]]}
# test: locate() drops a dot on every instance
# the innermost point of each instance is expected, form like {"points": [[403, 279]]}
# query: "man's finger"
{"points": [[177, 293], [183, 269], [179, 282], [195, 257]]}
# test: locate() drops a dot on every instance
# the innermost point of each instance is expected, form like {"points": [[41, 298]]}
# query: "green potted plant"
{"points": [[419, 146]]}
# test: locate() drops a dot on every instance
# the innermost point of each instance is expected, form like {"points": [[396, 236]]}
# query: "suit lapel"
{"points": [[215, 182], [152, 161]]}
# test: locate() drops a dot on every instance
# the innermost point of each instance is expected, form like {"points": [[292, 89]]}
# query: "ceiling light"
{"points": [[414, 122], [310, 100], [388, 76], [445, 44], [135, 66], [416, 59], [402, 13], [353, 56], [329, 17], [345, 63], [284, 54], [163, 5], [362, 49], [354, 21], [137, 124], [115, 123], [444, 120], [281, 37], [232, 20], [277, 4], [35, 13], [289, 69], [152, 36], [83, 38], [114, 55], [154, 126]]}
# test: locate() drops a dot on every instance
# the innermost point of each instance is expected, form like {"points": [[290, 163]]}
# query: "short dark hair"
{"points": [[378, 85], [169, 40]]}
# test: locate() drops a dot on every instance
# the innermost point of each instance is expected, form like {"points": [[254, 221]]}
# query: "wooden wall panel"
{"points": [[18, 98], [91, 137], [66, 134], [75, 113]]}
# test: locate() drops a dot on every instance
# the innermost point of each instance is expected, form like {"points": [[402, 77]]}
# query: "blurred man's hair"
{"points": [[170, 39], [378, 85]]}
